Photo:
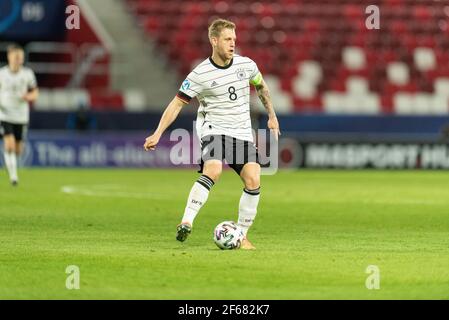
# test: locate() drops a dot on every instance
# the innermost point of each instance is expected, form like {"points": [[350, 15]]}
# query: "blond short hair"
{"points": [[218, 25]]}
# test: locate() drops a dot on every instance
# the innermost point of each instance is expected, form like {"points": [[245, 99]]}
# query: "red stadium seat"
{"points": [[278, 36]]}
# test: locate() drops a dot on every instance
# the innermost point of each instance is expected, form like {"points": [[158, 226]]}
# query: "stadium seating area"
{"points": [[74, 71], [318, 55], [66, 85]]}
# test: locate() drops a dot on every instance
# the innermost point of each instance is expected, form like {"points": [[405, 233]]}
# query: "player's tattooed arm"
{"points": [[264, 95]]}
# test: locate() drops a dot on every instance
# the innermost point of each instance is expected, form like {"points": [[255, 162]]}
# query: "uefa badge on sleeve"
{"points": [[185, 85]]}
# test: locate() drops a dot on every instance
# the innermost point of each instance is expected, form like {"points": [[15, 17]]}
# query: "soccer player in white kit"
{"points": [[18, 88], [221, 83]]}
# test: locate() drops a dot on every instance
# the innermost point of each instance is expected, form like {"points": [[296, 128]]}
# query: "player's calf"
{"points": [[197, 198], [250, 196], [248, 208], [10, 158]]}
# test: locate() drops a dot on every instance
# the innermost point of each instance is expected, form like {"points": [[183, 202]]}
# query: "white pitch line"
{"points": [[114, 191], [96, 191]]}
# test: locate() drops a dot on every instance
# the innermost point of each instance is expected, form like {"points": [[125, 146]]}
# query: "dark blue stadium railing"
{"points": [[305, 127]]}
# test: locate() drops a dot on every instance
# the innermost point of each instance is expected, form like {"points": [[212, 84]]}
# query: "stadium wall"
{"points": [[115, 139]]}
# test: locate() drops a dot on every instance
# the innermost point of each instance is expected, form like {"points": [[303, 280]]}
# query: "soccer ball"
{"points": [[228, 235]]}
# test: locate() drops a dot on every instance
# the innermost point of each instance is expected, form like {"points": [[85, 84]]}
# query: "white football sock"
{"points": [[248, 208], [11, 165], [197, 198]]}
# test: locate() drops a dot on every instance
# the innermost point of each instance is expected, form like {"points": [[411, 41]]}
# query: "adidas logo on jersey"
{"points": [[214, 84]]}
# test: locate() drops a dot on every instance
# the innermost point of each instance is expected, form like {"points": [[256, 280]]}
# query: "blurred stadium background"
{"points": [[346, 96]]}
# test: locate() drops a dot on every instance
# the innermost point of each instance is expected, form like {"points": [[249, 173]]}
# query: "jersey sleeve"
{"points": [[255, 77], [32, 82], [190, 88]]}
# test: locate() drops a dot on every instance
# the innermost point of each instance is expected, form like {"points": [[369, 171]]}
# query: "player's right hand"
{"points": [[151, 142]]}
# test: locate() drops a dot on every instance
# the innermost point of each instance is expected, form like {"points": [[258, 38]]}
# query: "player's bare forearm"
{"points": [[264, 95], [170, 114], [32, 96]]}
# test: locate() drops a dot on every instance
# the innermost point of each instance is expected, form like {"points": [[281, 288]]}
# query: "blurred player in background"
{"points": [[221, 84], [18, 88]]}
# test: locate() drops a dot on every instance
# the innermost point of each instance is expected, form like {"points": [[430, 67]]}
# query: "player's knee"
{"points": [[18, 149], [252, 182], [10, 145], [213, 171], [10, 150], [214, 174]]}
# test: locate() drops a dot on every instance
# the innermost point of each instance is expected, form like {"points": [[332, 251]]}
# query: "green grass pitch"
{"points": [[316, 233]]}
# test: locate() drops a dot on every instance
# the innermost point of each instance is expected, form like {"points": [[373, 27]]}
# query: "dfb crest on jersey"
{"points": [[241, 74]]}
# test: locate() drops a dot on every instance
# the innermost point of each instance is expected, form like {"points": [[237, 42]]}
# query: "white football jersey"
{"points": [[13, 86], [224, 96]]}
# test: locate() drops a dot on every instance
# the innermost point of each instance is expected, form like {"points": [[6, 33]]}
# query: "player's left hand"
{"points": [[273, 125]]}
